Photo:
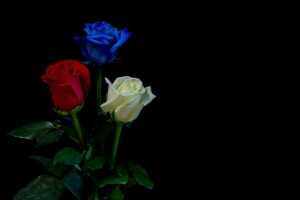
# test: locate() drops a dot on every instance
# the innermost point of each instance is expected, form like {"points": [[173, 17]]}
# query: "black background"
{"points": [[185, 138]]}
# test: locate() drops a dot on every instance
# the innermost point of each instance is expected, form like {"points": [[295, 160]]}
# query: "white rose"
{"points": [[126, 96]]}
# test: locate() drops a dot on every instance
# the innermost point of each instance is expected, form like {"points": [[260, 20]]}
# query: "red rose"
{"points": [[69, 82]]}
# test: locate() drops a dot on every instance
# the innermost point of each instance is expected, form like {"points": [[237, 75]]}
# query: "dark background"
{"points": [[37, 38], [188, 138]]}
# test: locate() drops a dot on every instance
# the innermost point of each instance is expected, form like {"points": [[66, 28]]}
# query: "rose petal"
{"points": [[135, 106], [77, 67], [101, 39], [119, 81], [111, 104], [149, 96], [68, 96], [81, 41], [124, 112], [124, 36], [129, 86], [126, 96], [97, 52]]}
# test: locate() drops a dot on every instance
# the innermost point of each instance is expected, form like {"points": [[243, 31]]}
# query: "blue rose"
{"points": [[101, 42]]}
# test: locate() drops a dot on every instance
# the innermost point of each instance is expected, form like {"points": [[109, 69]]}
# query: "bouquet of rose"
{"points": [[87, 167]]}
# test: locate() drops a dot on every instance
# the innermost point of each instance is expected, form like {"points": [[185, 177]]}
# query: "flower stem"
{"points": [[116, 142], [99, 90], [78, 129]]}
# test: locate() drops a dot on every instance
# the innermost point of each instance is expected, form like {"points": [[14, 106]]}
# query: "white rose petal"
{"points": [[112, 92], [111, 104], [124, 112], [149, 97], [127, 96]]}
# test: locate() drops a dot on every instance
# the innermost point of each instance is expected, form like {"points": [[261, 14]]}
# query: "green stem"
{"points": [[116, 142], [99, 90], [78, 129]]}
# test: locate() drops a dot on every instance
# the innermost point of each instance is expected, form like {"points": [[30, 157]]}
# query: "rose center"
{"points": [[129, 86]]}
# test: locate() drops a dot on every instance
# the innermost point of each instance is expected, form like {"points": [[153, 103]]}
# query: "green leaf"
{"points": [[113, 180], [71, 133], [131, 182], [121, 170], [42, 188], [67, 156], [57, 170], [94, 196], [95, 163], [101, 133], [141, 176], [77, 167], [73, 181], [50, 137], [89, 152], [116, 193], [32, 130]]}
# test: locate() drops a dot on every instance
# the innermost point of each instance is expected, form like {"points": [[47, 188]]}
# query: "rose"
{"points": [[69, 82], [126, 97], [102, 41]]}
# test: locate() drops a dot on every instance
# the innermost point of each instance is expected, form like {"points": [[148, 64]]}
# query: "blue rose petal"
{"points": [[102, 41], [124, 36], [88, 28]]}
